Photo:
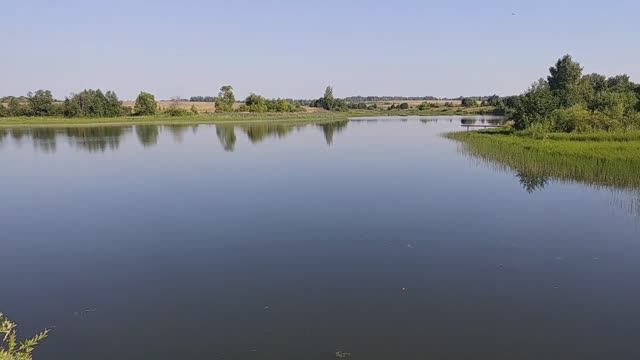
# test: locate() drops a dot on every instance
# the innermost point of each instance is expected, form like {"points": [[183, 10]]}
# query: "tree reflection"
{"points": [[227, 136], [96, 138], [177, 131], [147, 134], [258, 132], [44, 139], [329, 129], [532, 182], [17, 133]]}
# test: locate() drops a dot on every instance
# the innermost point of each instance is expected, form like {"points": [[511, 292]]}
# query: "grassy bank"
{"points": [[599, 158], [234, 117]]}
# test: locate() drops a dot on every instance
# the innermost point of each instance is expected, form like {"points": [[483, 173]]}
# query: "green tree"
{"points": [[535, 106], [145, 104], [469, 102], [40, 102], [563, 80], [328, 102], [256, 103], [92, 103], [225, 99], [16, 108]]}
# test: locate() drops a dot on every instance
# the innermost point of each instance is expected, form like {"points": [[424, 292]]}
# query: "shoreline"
{"points": [[228, 118]]}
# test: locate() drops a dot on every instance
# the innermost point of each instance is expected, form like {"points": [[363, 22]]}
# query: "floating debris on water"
{"points": [[343, 355]]}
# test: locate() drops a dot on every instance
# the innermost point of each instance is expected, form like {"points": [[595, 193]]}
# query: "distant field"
{"points": [[415, 103]]}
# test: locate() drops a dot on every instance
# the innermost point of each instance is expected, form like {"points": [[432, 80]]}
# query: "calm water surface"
{"points": [[374, 237]]}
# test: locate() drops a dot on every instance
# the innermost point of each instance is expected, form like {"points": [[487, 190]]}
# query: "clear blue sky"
{"points": [[294, 48]]}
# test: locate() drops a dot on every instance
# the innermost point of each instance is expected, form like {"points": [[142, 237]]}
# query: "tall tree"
{"points": [[328, 100], [564, 79], [225, 99], [40, 102]]}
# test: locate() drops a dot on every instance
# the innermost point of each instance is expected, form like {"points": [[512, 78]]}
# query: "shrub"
{"points": [[469, 102], [194, 110], [176, 111], [575, 118], [425, 106], [145, 104]]}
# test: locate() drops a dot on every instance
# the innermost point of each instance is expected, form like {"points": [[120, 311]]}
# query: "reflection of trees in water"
{"points": [[532, 182], [44, 139], [536, 171], [227, 136], [3, 133], [177, 131], [96, 138], [332, 128], [17, 133], [468, 121], [258, 132], [148, 134]]}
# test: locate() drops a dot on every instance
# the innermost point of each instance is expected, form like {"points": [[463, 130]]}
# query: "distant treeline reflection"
{"points": [[102, 138]]}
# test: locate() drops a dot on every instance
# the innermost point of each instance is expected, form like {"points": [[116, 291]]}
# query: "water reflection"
{"points": [[148, 134], [258, 132], [227, 136], [532, 182], [178, 131], [329, 129], [96, 138]]}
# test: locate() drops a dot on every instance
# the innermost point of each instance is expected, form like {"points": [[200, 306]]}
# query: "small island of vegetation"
{"points": [[568, 126]]}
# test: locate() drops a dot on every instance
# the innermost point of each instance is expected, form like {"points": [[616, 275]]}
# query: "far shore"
{"points": [[233, 117]]}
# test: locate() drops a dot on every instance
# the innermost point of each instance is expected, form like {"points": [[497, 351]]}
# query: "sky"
{"points": [[293, 49]]}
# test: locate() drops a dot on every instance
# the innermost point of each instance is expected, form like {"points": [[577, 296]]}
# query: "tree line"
{"points": [[95, 103], [87, 103], [568, 101]]}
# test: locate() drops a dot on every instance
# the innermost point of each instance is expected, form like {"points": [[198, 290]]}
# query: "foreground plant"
{"points": [[10, 349]]}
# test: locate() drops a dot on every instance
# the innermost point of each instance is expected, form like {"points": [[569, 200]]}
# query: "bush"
{"points": [[145, 104], [176, 111], [425, 106], [575, 118], [469, 102], [194, 110]]}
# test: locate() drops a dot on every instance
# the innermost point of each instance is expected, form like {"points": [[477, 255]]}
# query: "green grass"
{"points": [[600, 159], [215, 118]]}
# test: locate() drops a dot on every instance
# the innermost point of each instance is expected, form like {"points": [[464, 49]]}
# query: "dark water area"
{"points": [[376, 237]]}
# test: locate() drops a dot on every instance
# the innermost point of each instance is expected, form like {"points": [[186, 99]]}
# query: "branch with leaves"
{"points": [[10, 349]]}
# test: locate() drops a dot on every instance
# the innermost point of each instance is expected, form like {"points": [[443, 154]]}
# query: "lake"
{"points": [[377, 237]]}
